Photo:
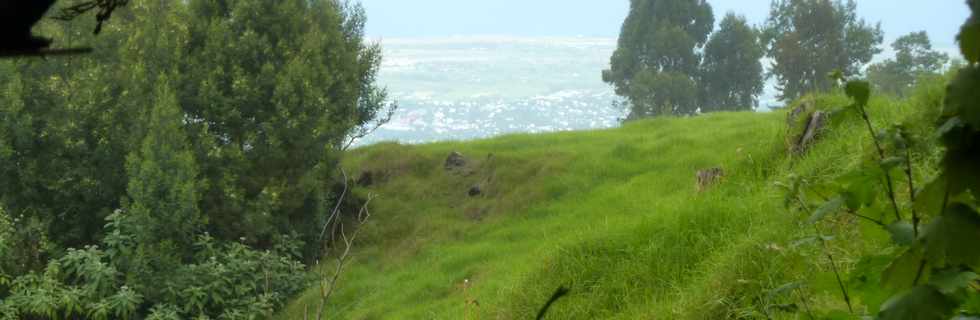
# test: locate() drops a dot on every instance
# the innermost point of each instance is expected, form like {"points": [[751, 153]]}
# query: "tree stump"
{"points": [[709, 177], [815, 124]]}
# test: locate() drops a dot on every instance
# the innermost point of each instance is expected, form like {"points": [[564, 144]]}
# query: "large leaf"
{"points": [[930, 198], [961, 164], [963, 98], [860, 188], [952, 238], [920, 303], [902, 233], [951, 281], [969, 39], [858, 90], [831, 206], [901, 273]]}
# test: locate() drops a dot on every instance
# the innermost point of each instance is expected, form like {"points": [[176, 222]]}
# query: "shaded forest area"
{"points": [[186, 167]]}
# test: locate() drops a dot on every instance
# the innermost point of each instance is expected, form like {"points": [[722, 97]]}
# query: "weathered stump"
{"points": [[814, 126], [708, 177]]}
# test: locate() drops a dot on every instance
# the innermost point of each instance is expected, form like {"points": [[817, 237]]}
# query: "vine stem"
{"points": [[826, 249], [908, 174], [833, 266], [881, 156]]}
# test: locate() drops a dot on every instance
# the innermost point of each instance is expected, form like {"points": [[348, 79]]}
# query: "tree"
{"points": [[268, 93], [914, 58], [731, 73], [656, 61], [809, 39]]}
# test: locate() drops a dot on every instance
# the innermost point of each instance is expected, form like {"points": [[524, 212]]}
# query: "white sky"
{"points": [[602, 18]]}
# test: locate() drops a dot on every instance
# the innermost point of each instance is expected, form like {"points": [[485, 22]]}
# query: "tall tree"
{"points": [[809, 39], [731, 75], [268, 93], [657, 58], [914, 58]]}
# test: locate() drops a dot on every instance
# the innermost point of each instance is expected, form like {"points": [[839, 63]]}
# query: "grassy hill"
{"points": [[614, 215]]}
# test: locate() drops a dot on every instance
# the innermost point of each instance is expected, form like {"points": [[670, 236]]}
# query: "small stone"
{"points": [[475, 190], [455, 160]]}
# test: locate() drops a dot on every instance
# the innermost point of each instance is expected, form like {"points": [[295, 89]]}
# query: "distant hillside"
{"points": [[615, 215]]}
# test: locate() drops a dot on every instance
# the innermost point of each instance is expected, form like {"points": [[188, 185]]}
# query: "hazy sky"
{"points": [[427, 18]]}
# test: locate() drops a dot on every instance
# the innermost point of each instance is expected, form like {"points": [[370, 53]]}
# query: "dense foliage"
{"points": [[186, 166], [809, 39], [930, 270], [656, 63], [914, 59], [731, 73]]}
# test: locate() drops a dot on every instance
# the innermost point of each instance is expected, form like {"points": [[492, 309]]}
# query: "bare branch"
{"points": [[105, 7], [367, 129], [336, 208], [329, 282]]}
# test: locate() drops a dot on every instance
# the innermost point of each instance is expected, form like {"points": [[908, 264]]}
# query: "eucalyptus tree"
{"points": [[808, 40], [731, 75], [655, 65]]}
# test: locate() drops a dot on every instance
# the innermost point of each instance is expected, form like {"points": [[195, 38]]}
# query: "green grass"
{"points": [[612, 214]]}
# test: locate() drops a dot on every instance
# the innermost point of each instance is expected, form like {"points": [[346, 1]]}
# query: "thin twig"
{"points": [[881, 154], [336, 208], [806, 305], [329, 283], [908, 175], [364, 131], [872, 220], [833, 266]]}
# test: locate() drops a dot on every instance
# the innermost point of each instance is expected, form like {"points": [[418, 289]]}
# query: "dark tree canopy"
{"points": [[182, 168], [731, 75], [914, 58], [268, 93], [809, 39], [656, 62]]}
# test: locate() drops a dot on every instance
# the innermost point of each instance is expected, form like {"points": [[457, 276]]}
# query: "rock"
{"points": [[475, 190], [708, 177], [455, 160], [814, 126]]}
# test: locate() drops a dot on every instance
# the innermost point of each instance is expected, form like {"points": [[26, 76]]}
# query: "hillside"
{"points": [[615, 215]]}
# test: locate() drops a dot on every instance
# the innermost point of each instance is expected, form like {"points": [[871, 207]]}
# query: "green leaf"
{"points": [[784, 289], [921, 303], [837, 315], [891, 163], [901, 273], [903, 233], [831, 206], [969, 39], [858, 90], [963, 98], [861, 188], [930, 198], [950, 282], [951, 239]]}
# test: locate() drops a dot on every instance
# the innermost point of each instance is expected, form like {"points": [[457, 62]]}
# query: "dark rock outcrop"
{"points": [[475, 190], [455, 160]]}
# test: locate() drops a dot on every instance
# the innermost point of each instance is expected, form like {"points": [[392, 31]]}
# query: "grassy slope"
{"points": [[612, 214]]}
